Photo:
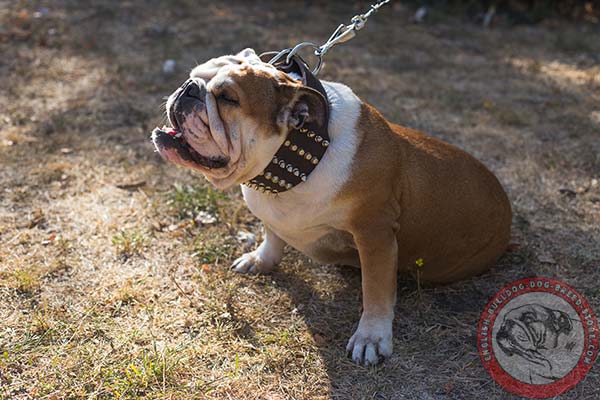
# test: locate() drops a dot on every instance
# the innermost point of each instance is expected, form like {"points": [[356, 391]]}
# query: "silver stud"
{"points": [[294, 147], [282, 164], [315, 160], [268, 175], [287, 143], [290, 168], [318, 139], [275, 160], [269, 188], [261, 173], [308, 156], [303, 130], [275, 191], [301, 152], [303, 177], [282, 183], [325, 143], [289, 186], [296, 172], [275, 179], [311, 134]]}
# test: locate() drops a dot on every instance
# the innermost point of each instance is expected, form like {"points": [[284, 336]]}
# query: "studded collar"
{"points": [[302, 149]]}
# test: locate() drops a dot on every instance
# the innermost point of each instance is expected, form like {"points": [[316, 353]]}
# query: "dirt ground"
{"points": [[114, 278]]}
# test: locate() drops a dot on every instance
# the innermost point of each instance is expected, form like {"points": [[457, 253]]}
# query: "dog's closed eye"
{"points": [[228, 98]]}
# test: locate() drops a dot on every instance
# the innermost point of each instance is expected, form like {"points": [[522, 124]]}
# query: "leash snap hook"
{"points": [[342, 34]]}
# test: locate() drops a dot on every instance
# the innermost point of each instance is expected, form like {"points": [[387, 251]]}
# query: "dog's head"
{"points": [[232, 115], [530, 329]]}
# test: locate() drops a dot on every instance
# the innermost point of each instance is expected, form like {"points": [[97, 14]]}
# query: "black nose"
{"points": [[190, 98], [195, 89]]}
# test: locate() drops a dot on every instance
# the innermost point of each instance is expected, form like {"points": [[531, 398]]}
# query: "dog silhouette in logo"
{"points": [[530, 332]]}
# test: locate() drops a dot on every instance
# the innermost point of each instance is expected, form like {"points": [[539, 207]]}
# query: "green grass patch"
{"points": [[188, 201], [128, 243], [212, 249], [146, 375], [23, 280]]}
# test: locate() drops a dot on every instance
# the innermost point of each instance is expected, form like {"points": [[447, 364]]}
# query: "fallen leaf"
{"points": [[449, 387], [205, 268], [177, 233], [58, 166], [130, 185]]}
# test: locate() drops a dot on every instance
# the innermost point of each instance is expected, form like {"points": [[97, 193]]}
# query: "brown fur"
{"points": [[415, 197], [249, 84]]}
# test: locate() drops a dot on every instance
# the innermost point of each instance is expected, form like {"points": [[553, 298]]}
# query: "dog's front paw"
{"points": [[372, 341], [252, 263]]}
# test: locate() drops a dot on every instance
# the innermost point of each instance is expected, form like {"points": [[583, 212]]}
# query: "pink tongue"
{"points": [[171, 131]]}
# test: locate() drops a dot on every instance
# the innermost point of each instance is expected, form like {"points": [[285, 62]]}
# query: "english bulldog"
{"points": [[382, 197]]}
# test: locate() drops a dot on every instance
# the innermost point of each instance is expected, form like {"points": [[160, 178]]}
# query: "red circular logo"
{"points": [[538, 337]]}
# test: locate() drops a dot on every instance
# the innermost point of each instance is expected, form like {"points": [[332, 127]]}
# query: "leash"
{"points": [[342, 34]]}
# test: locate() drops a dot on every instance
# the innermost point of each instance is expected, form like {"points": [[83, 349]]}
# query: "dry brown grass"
{"points": [[109, 292]]}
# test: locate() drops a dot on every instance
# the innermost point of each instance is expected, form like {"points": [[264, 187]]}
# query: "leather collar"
{"points": [[303, 148]]}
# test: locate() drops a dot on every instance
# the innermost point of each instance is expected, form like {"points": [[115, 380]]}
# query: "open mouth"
{"points": [[190, 134], [171, 141]]}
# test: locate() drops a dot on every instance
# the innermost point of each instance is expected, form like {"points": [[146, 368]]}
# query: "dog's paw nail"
{"points": [[253, 263], [370, 346], [243, 264], [247, 264], [371, 356]]}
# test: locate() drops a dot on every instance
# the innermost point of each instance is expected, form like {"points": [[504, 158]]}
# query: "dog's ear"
{"points": [[247, 52], [306, 106]]}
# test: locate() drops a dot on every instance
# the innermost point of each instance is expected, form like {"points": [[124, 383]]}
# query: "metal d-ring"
{"points": [[290, 52], [298, 47]]}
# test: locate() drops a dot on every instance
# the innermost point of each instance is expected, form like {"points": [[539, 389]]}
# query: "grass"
{"points": [[128, 243], [574, 42], [188, 201], [26, 281], [210, 249], [124, 291]]}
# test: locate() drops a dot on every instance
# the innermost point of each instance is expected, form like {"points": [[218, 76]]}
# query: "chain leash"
{"points": [[342, 34]]}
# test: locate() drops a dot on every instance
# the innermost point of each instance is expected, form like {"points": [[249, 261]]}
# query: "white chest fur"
{"points": [[304, 214]]}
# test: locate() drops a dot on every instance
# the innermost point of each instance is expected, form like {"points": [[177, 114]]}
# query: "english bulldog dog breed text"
{"points": [[327, 174]]}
